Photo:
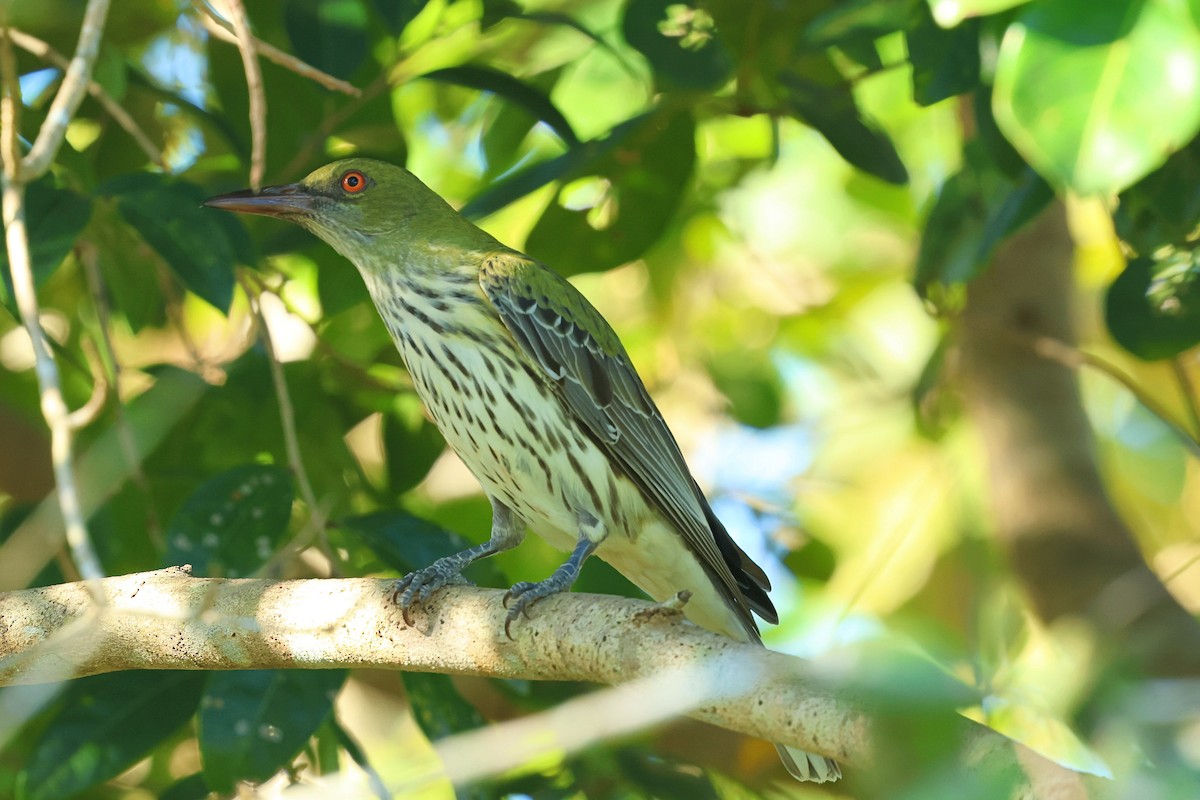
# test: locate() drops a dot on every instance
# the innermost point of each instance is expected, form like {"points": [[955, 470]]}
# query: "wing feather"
{"points": [[577, 349]]}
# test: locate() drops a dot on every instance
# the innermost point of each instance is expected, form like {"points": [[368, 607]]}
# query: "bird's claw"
{"points": [[417, 587], [523, 595]]}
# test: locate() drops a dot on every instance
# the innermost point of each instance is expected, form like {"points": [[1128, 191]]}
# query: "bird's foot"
{"points": [[521, 596], [671, 607], [417, 587]]}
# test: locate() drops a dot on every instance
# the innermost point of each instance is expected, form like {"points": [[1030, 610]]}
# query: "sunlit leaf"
{"points": [[231, 525], [1095, 96], [536, 102], [949, 13], [252, 723], [107, 723], [412, 444], [832, 111], [858, 19], [631, 195]]}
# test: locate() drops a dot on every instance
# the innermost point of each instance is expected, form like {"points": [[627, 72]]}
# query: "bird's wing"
{"points": [[572, 343]]}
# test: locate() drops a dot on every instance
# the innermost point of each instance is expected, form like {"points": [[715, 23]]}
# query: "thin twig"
{"points": [[95, 283], [37, 47], [1189, 393], [1073, 357], [287, 418], [221, 30], [254, 86], [69, 96], [86, 414], [54, 407]]}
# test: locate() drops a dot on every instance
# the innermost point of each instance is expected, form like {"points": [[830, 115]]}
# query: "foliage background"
{"points": [[778, 205]]}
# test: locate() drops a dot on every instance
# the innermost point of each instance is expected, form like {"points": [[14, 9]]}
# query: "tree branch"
{"points": [[1072, 552], [168, 620]]}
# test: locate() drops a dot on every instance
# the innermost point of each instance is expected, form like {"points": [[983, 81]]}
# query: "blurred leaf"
{"points": [[330, 34], [680, 41], [412, 444], [407, 543], [511, 89], [663, 777], [752, 386], [502, 138], [858, 19], [199, 246], [951, 14], [833, 113], [252, 723], [636, 190], [127, 268], [438, 707], [1163, 209], [398, 13], [352, 748], [1153, 307], [107, 723], [191, 787], [945, 62], [976, 209], [231, 525], [1087, 92], [54, 218], [109, 71]]}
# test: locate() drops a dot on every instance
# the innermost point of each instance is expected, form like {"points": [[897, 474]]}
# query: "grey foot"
{"points": [[417, 587], [521, 596]]}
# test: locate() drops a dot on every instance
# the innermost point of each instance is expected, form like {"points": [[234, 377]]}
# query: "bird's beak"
{"points": [[289, 200]]}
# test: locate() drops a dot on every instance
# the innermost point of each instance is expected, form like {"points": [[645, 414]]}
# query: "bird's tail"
{"points": [[807, 766]]}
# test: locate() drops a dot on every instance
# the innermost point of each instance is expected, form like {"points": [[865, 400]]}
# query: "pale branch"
{"points": [[37, 47], [247, 47], [1069, 546], [69, 96], [223, 31], [169, 620]]}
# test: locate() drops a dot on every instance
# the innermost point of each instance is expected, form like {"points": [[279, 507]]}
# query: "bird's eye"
{"points": [[353, 182]]}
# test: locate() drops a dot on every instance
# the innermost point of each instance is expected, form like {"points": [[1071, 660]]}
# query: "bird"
{"points": [[533, 390]]}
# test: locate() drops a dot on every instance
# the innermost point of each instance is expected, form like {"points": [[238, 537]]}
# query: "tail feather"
{"points": [[807, 766]]}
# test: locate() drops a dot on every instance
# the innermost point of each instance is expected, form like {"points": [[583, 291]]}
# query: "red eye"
{"points": [[354, 182]]}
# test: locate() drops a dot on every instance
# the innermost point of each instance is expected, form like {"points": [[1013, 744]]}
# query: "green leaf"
{"points": [[398, 13], [107, 723], [231, 525], [1163, 209], [438, 707], [833, 113], [950, 14], [511, 89], [1096, 95], [859, 19], [196, 243], [680, 41], [329, 34], [664, 777], [613, 210], [54, 218], [191, 787], [1153, 307], [976, 209], [411, 444], [406, 543], [252, 723], [945, 63], [128, 269]]}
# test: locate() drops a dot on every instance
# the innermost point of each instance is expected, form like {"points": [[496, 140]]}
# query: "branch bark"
{"points": [[1069, 547], [168, 620]]}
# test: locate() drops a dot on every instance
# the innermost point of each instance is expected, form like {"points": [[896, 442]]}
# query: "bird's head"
{"points": [[369, 211]]}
